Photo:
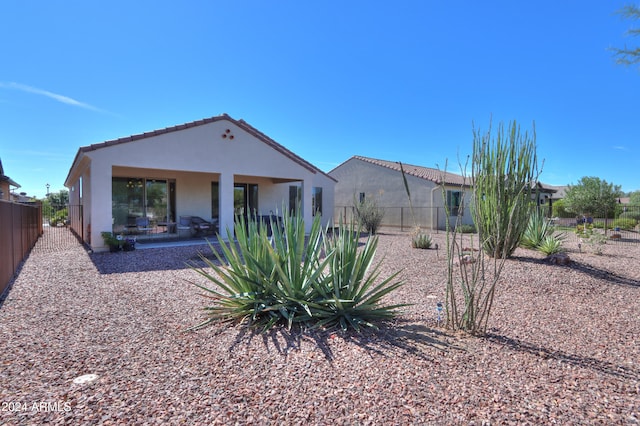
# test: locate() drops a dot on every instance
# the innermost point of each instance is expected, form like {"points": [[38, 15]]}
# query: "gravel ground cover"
{"points": [[563, 347]]}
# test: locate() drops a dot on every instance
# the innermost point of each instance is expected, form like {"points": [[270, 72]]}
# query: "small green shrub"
{"points": [[59, 218], [318, 280], [110, 239], [466, 229], [421, 240], [630, 215], [551, 244], [582, 230], [624, 223]]}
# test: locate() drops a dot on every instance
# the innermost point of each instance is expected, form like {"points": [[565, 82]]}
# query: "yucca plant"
{"points": [[350, 295], [537, 230], [315, 279], [263, 280]]}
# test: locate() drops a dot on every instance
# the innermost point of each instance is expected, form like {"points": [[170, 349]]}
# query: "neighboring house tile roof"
{"points": [[558, 191], [427, 173], [4, 178], [240, 123]]}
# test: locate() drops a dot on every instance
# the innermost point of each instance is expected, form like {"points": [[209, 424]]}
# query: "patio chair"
{"points": [[143, 225], [201, 226], [184, 225]]}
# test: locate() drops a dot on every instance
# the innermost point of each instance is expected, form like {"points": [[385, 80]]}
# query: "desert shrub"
{"points": [[624, 223], [582, 230], [559, 209], [630, 215], [536, 231], [551, 244], [595, 241], [323, 281], [421, 240], [369, 214], [59, 218]]}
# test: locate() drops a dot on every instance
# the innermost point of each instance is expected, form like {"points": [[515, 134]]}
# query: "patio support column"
{"points": [[226, 203], [307, 208], [100, 203]]}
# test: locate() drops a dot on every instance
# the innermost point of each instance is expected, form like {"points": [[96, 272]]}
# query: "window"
{"points": [[454, 203], [361, 198], [295, 198], [133, 198], [316, 200]]}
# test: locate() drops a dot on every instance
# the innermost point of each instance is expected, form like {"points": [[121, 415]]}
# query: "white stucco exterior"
{"points": [[194, 155]]}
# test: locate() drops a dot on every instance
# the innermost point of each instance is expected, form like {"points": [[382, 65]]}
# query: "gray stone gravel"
{"points": [[563, 348]]}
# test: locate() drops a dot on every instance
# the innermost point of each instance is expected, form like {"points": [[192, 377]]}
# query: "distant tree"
{"points": [[626, 55], [634, 198], [592, 197], [59, 198], [559, 208]]}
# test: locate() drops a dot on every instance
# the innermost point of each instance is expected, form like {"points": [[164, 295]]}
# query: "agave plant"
{"points": [[551, 244], [421, 240], [537, 230]]}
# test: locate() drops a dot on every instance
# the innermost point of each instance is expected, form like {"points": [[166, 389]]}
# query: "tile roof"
{"points": [[4, 178], [240, 123], [427, 173]]}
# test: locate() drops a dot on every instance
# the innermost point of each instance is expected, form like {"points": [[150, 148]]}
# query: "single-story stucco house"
{"points": [[213, 168], [360, 177]]}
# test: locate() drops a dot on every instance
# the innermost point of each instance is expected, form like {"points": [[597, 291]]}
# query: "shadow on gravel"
{"points": [[157, 259], [572, 359], [412, 338], [588, 270]]}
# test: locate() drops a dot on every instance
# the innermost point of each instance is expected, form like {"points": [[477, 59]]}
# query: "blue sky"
{"points": [[400, 81]]}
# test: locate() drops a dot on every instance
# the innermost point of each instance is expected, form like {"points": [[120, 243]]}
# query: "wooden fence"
{"points": [[20, 228]]}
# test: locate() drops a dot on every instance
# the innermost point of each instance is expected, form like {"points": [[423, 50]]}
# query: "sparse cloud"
{"points": [[620, 148], [60, 98]]}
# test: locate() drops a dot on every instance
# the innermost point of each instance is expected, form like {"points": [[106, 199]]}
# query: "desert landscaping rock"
{"points": [[563, 347]]}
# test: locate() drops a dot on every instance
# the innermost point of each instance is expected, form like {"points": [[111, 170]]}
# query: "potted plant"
{"points": [[129, 244], [113, 241]]}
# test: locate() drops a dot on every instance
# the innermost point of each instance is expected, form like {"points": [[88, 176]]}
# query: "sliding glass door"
{"points": [[245, 199], [134, 198]]}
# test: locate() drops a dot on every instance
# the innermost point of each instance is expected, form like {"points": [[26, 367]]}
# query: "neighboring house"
{"points": [[213, 168], [360, 178], [22, 197], [5, 185], [547, 194]]}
